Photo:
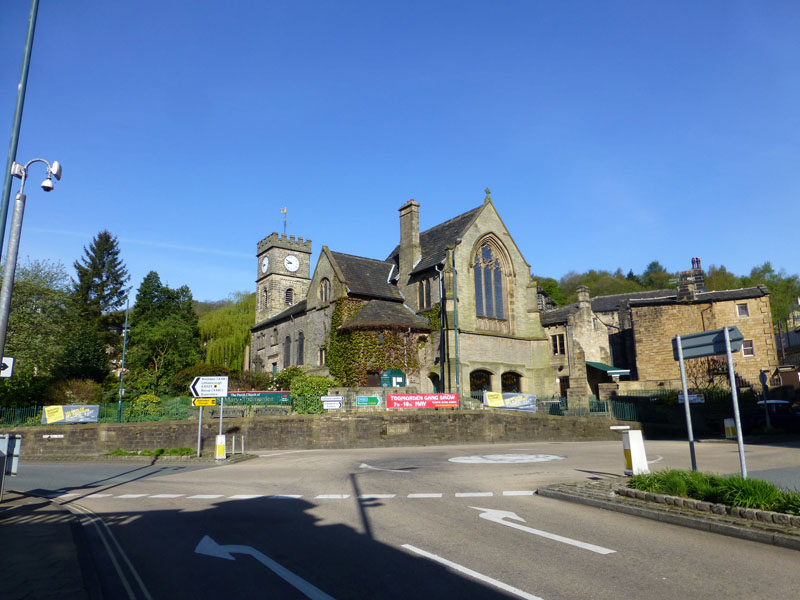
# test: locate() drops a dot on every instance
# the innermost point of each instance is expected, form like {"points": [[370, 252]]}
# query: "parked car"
{"points": [[782, 415]]}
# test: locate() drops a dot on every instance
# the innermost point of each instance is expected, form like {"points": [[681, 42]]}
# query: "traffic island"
{"points": [[614, 494]]}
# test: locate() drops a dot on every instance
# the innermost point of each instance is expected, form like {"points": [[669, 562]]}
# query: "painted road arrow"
{"points": [[209, 547], [500, 516]]}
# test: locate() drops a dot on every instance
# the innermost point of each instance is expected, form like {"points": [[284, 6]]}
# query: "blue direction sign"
{"points": [[707, 343]]}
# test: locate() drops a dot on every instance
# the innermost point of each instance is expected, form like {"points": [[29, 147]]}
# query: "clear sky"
{"points": [[610, 133]]}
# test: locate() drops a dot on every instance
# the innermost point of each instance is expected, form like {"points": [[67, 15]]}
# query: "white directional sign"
{"points": [[332, 402], [7, 366], [209, 387]]}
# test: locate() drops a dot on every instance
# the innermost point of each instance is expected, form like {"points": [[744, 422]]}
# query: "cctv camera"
{"points": [[47, 185]]}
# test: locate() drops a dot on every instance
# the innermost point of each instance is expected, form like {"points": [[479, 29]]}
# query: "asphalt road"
{"points": [[443, 522]]}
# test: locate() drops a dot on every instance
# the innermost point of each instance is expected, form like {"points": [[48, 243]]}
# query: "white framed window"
{"points": [[747, 348], [558, 344], [742, 310]]}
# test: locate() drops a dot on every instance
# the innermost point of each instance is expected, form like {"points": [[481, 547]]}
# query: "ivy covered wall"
{"points": [[353, 354]]}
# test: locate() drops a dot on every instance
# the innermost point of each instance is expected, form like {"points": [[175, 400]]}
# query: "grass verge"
{"points": [[708, 487]]}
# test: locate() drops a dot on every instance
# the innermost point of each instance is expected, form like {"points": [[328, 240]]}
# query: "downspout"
{"points": [[441, 328], [455, 321]]}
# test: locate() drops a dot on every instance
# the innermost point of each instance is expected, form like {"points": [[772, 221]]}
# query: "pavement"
{"points": [[46, 554], [44, 551]]}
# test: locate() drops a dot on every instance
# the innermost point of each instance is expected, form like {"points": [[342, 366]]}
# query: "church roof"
{"points": [[289, 311], [434, 241], [386, 315], [367, 277]]}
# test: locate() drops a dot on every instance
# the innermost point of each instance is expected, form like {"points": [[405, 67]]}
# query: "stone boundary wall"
{"points": [[369, 430]]}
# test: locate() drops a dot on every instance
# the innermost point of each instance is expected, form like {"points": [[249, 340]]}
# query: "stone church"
{"points": [[450, 309]]}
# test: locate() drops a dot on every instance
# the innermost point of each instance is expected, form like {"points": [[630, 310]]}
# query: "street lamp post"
{"points": [[20, 171], [122, 367]]}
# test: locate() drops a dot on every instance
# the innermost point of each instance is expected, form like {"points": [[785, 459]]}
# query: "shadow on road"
{"points": [[337, 559]]}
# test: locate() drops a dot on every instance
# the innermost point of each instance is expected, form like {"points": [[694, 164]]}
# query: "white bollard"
{"points": [[730, 429], [635, 457], [219, 448]]}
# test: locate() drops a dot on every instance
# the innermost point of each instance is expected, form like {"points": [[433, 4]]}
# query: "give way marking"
{"points": [[209, 547], [500, 516]]}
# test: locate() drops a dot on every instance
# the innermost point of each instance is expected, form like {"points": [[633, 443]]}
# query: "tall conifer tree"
{"points": [[101, 286]]}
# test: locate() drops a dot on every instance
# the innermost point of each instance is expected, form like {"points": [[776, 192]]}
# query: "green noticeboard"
{"points": [[393, 378], [281, 397]]}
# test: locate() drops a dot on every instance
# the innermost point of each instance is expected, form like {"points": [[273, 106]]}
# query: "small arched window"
{"points": [[511, 382], [325, 290], [490, 283], [289, 296]]}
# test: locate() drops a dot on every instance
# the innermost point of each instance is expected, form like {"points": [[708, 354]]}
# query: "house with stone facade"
{"points": [[452, 308], [626, 339]]}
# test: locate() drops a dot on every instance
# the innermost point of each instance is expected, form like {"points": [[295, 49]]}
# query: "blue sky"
{"points": [[610, 133]]}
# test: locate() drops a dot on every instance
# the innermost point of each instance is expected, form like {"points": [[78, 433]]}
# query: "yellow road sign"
{"points": [[204, 401]]}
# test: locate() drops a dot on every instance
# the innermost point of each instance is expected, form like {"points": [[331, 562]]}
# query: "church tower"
{"points": [[284, 273]]}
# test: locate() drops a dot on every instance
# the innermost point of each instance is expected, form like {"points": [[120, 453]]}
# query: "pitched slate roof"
{"points": [[718, 296], [383, 314], [600, 304], [367, 277], [434, 241], [290, 311]]}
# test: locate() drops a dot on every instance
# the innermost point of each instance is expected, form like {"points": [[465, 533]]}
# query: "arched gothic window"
{"points": [[289, 296], [301, 340], [490, 283], [287, 352], [325, 289]]}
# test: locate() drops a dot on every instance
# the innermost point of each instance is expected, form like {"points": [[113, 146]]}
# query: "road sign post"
{"points": [[211, 387], [710, 343], [199, 431]]}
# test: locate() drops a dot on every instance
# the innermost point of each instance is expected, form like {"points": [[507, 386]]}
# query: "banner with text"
{"points": [[70, 413], [421, 400], [510, 400]]}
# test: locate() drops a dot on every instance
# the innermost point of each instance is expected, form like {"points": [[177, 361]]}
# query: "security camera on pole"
{"points": [[20, 171]]}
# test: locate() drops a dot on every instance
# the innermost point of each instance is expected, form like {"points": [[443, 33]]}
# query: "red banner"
{"points": [[421, 400]]}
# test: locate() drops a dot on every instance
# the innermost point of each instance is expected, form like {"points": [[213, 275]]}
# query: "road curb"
{"points": [[605, 497]]}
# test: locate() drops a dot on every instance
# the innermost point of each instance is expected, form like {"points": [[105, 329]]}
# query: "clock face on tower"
{"points": [[291, 263], [264, 264]]}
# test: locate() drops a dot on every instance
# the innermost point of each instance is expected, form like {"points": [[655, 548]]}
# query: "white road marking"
{"points": [[285, 497], [473, 494], [655, 460], [245, 496], [298, 496], [167, 495], [376, 496], [99, 495], [281, 453], [209, 547], [366, 466], [505, 458], [206, 496], [424, 496], [499, 516], [66, 495], [332, 497], [519, 493], [479, 576], [132, 496]]}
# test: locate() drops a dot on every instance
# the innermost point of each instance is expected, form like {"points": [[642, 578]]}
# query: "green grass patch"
{"points": [[182, 451], [708, 487]]}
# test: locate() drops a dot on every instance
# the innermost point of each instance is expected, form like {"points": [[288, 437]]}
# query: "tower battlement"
{"points": [[283, 241]]}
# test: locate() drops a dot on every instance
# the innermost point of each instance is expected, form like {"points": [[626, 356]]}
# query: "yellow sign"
{"points": [[53, 414], [204, 401], [494, 399]]}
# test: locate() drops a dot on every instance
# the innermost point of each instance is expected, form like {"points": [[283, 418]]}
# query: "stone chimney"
{"points": [[691, 282], [583, 297], [410, 250]]}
